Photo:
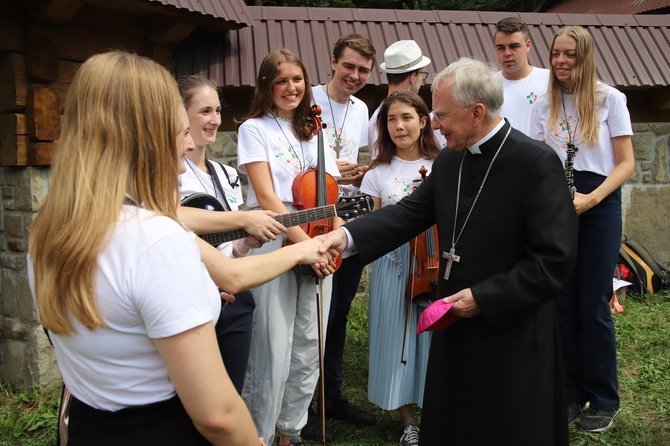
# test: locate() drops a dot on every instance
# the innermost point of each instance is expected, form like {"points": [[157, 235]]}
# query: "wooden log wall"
{"points": [[38, 60]]}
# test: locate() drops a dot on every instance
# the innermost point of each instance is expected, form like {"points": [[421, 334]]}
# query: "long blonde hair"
{"points": [[584, 81], [119, 138]]}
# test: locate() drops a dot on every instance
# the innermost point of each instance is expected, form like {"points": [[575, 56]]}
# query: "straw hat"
{"points": [[402, 57]]}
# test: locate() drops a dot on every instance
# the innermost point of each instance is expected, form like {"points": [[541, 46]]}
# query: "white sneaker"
{"points": [[410, 437]]}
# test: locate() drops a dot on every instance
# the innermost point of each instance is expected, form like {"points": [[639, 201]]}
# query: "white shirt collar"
{"points": [[474, 149]]}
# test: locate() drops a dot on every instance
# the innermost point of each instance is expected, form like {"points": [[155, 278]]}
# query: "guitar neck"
{"points": [[296, 218]]}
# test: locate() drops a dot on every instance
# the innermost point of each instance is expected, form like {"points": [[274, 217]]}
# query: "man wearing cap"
{"points": [[406, 69], [522, 82], [508, 241], [346, 132]]}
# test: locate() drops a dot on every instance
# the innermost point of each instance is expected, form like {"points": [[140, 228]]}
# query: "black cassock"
{"points": [[496, 378]]}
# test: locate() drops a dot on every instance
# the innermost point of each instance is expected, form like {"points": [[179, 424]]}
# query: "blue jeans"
{"points": [[585, 320]]}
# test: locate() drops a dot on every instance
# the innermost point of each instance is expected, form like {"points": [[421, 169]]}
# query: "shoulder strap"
{"points": [[210, 166], [233, 184]]}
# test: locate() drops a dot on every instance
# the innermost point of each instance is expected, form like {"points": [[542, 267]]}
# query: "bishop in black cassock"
{"points": [[496, 376]]}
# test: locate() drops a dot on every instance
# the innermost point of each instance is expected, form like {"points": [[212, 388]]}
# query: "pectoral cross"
{"points": [[337, 147], [451, 258]]}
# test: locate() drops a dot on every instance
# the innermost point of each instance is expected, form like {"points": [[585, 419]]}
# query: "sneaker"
{"points": [[295, 441], [574, 411], [312, 430], [410, 437], [597, 421], [343, 410]]}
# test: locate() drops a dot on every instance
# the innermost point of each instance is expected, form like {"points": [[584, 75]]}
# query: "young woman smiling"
{"points": [[582, 117], [275, 144]]}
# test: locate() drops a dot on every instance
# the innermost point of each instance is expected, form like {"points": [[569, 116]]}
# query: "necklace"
{"points": [[299, 158], [211, 176], [451, 255], [567, 90], [571, 141], [338, 136]]}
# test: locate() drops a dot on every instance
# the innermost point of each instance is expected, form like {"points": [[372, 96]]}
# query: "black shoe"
{"points": [[574, 411], [342, 410], [597, 421], [312, 430]]}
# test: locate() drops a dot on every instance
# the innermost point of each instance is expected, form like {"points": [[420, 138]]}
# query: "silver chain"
{"points": [[455, 239]]}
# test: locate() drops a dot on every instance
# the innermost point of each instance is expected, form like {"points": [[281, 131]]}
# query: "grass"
{"points": [[29, 418]]}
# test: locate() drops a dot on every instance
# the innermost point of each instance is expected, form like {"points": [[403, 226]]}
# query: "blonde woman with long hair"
{"points": [[587, 123], [120, 284]]}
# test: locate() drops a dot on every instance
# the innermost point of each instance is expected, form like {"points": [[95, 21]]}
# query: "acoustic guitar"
{"points": [[346, 208]]}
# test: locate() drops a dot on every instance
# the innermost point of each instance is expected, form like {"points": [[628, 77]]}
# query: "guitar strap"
{"points": [[210, 166]]}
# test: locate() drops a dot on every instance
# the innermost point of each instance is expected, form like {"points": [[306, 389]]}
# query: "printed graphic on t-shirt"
{"points": [[532, 97], [561, 136], [291, 160], [401, 187]]}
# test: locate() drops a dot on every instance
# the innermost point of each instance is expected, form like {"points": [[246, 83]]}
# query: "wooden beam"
{"points": [[43, 112], [41, 153], [12, 129], [11, 34], [166, 30], [54, 10], [41, 57], [660, 98], [13, 82]]}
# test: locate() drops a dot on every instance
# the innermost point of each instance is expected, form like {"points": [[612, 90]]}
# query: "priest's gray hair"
{"points": [[473, 81]]}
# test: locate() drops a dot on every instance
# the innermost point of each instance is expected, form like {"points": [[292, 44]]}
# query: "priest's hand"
{"points": [[465, 305]]}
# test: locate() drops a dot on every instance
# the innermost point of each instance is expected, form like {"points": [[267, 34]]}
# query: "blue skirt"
{"points": [[392, 384]]}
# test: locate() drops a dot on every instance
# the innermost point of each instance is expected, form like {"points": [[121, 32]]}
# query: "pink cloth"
{"points": [[436, 317]]}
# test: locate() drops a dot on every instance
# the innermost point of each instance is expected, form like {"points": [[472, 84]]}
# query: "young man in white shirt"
{"points": [[522, 82]]}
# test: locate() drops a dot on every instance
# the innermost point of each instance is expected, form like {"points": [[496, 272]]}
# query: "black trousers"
{"points": [[164, 423], [233, 333]]}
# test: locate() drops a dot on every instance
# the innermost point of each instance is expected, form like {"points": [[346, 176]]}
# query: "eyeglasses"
{"points": [[423, 74], [443, 116]]}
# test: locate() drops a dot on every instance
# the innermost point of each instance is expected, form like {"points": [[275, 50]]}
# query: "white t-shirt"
{"points": [[351, 122], [520, 95], [614, 120], [261, 139], [392, 182], [150, 284], [372, 134], [195, 180]]}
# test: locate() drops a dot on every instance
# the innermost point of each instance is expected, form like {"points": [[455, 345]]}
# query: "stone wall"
{"points": [[646, 195], [26, 358]]}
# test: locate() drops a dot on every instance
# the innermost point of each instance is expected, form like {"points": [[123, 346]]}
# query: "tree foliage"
{"points": [[465, 5]]}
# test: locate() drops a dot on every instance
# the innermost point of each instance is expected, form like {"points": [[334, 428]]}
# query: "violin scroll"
{"points": [[316, 123]]}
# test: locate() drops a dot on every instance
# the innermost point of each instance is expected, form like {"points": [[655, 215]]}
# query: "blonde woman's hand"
{"points": [[261, 225], [583, 203]]}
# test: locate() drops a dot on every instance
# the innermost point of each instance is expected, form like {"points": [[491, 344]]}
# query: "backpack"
{"points": [[650, 275]]}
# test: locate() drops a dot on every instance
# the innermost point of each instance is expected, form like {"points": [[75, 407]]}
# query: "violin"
{"points": [[315, 188], [424, 264]]}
